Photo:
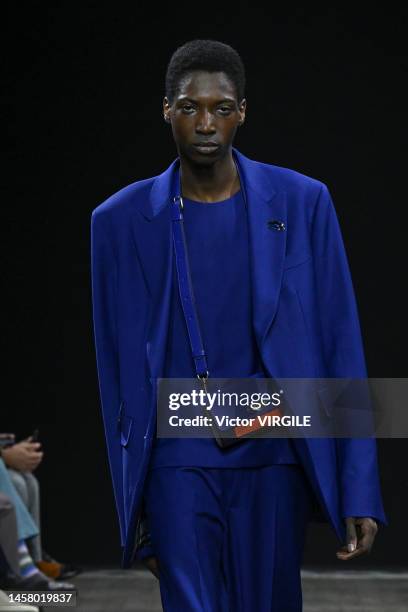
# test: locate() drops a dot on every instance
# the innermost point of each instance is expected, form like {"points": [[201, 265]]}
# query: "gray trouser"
{"points": [[8, 533], [29, 490]]}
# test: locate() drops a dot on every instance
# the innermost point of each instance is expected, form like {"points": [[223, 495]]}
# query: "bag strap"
{"points": [[184, 277], [186, 289]]}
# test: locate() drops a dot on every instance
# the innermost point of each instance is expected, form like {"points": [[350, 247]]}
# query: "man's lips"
{"points": [[206, 147]]}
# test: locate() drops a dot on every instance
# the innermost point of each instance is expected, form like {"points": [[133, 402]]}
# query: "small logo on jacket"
{"points": [[276, 225]]}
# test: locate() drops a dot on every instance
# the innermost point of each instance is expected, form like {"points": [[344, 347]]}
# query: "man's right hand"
{"points": [[152, 564]]}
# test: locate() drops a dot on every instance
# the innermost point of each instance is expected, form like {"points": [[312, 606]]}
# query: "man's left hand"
{"points": [[361, 532]]}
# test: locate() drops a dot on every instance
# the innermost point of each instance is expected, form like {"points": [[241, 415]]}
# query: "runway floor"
{"points": [[137, 590]]}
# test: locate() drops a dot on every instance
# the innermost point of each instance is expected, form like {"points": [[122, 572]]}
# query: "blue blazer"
{"points": [[304, 315]]}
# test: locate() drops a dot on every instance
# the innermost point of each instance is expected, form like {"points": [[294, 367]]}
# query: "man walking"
{"points": [[224, 528]]}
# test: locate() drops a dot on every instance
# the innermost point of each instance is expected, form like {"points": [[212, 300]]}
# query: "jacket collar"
{"points": [[256, 179], [267, 248]]}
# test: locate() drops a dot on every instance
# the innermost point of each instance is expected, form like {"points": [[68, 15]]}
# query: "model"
{"points": [[224, 528]]}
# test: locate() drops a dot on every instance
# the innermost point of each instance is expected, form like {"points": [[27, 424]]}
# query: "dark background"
{"points": [[82, 95]]}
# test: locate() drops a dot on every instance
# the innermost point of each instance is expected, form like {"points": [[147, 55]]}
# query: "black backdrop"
{"points": [[83, 88]]}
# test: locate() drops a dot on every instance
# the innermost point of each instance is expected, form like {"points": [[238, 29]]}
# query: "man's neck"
{"points": [[209, 183]]}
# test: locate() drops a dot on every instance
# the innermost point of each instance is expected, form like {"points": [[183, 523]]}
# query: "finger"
{"points": [[367, 526], [152, 565], [351, 537], [155, 566], [368, 531], [363, 547], [367, 541], [347, 556], [343, 549], [155, 572], [34, 461]]}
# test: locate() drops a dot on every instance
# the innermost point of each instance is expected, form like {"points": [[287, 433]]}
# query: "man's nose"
{"points": [[205, 123]]}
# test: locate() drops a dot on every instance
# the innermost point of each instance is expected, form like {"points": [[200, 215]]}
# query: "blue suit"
{"points": [[304, 316]]}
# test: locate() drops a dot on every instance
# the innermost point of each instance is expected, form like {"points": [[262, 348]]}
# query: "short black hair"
{"points": [[208, 55]]}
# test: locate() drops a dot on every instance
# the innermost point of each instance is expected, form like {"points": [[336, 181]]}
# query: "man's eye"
{"points": [[187, 108], [225, 110]]}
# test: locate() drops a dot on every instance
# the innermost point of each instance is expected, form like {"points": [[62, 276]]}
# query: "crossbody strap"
{"points": [[184, 278], [186, 289]]}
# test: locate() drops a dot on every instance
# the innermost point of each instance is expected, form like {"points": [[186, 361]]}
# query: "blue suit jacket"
{"points": [[304, 315]]}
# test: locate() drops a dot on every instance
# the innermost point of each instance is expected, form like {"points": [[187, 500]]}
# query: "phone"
{"points": [[34, 435], [7, 440]]}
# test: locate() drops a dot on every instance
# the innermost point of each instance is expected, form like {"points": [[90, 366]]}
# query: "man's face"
{"points": [[204, 116]]}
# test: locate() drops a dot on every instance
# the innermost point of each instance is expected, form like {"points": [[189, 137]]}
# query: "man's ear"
{"points": [[166, 109], [242, 111]]}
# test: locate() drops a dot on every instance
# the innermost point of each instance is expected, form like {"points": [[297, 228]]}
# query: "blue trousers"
{"points": [[229, 539]]}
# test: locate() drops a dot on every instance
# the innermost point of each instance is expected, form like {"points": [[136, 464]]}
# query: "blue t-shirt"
{"points": [[217, 243]]}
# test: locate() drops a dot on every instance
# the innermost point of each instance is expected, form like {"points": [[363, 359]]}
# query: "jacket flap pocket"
{"points": [[125, 429]]}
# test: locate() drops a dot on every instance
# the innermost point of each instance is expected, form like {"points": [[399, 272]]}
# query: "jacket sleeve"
{"points": [[103, 277], [344, 358]]}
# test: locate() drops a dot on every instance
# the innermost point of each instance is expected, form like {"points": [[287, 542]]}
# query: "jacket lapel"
{"points": [[154, 243], [266, 246]]}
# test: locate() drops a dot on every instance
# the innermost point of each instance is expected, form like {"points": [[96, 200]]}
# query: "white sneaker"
{"points": [[7, 606]]}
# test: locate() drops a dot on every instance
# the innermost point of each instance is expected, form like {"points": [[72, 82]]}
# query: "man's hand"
{"points": [[152, 564], [24, 456], [361, 532]]}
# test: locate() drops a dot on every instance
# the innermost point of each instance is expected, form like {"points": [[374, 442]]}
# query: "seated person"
{"points": [[17, 569], [21, 459]]}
